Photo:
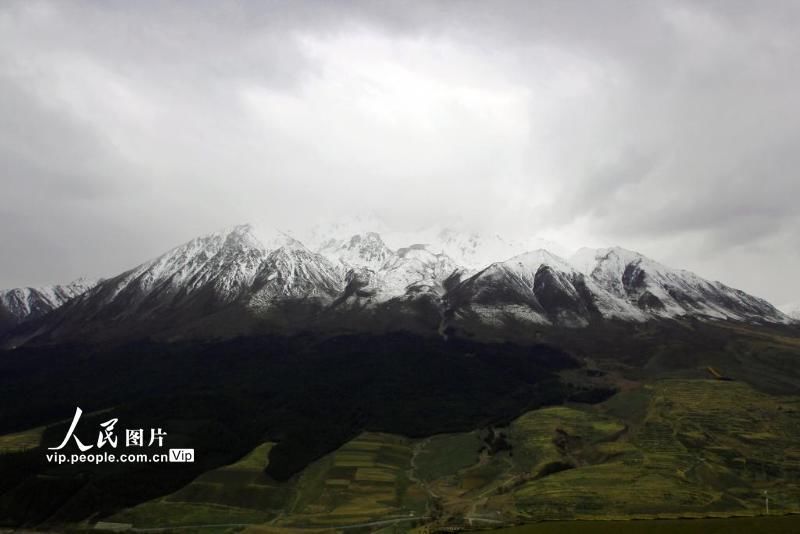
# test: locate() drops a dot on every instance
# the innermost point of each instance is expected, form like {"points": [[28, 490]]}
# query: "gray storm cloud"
{"points": [[667, 127]]}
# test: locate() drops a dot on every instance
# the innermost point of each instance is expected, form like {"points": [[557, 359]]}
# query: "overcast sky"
{"points": [[671, 128]]}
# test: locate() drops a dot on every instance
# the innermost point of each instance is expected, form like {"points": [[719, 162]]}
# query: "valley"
{"points": [[697, 449], [415, 432]]}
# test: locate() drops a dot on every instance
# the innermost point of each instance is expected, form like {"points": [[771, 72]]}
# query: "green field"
{"points": [[668, 450], [237, 493], [700, 447], [365, 480], [444, 455]]}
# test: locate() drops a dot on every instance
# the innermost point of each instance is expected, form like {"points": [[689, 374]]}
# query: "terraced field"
{"points": [[365, 480], [670, 449], [703, 447], [237, 493], [444, 455]]}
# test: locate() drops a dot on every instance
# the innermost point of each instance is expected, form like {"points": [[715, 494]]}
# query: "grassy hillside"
{"points": [[236, 493], [701, 447], [308, 395], [365, 480], [671, 449], [306, 432]]}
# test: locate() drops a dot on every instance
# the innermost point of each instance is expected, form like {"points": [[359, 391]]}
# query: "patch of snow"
{"points": [[632, 276], [26, 302]]}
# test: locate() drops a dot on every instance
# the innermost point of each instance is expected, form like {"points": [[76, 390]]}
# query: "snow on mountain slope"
{"points": [[359, 251], [475, 250], [469, 249], [415, 269], [243, 274], [441, 250], [665, 292], [294, 272], [219, 265], [197, 277], [374, 270], [539, 287], [22, 304], [232, 269], [341, 230], [208, 285]]}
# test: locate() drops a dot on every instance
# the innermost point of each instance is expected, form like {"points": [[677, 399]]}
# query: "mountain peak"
{"points": [[365, 250], [21, 304], [366, 238], [265, 238], [533, 259], [260, 268]]}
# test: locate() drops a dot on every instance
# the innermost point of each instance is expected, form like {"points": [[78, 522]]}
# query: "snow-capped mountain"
{"points": [[416, 268], [665, 292], [215, 267], [291, 271], [474, 251], [242, 280], [470, 250], [539, 287], [27, 303], [328, 233], [358, 251], [381, 273], [233, 268]]}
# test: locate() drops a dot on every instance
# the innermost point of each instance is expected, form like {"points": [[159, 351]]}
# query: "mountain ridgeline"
{"points": [[241, 282], [583, 371], [27, 303]]}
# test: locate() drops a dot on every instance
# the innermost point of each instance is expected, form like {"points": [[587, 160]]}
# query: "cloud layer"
{"points": [[667, 127]]}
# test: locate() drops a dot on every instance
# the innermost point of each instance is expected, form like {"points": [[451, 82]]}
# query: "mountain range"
{"points": [[243, 280], [27, 303], [457, 377]]}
